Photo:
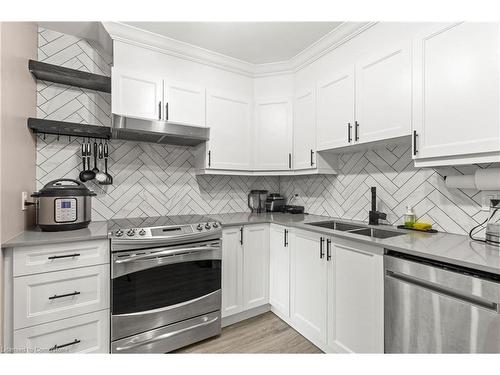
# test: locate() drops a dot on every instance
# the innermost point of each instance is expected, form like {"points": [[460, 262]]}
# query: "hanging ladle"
{"points": [[101, 176], [95, 169], [86, 174]]}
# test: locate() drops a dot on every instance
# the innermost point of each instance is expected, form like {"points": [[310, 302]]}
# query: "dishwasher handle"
{"points": [[443, 290]]}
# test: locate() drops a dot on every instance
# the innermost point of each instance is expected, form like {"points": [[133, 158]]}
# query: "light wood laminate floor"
{"points": [[265, 333]]}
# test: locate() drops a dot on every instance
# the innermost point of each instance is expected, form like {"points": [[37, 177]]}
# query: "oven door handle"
{"points": [[167, 335], [169, 252]]}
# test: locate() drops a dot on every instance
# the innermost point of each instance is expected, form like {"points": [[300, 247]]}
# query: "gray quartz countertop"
{"points": [[96, 230], [444, 247]]}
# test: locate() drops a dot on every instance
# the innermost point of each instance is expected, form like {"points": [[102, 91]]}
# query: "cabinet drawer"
{"points": [[87, 333], [51, 296], [56, 257]]}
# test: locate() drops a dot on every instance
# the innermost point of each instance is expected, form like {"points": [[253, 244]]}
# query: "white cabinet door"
{"points": [[255, 266], [308, 285], [51, 296], [335, 110], [229, 118], [356, 298], [88, 333], [273, 134], [304, 130], [184, 103], [383, 95], [136, 94], [456, 84], [232, 271], [62, 256], [279, 274]]}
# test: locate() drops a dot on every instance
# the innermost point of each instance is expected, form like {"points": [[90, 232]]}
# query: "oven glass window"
{"points": [[166, 285]]}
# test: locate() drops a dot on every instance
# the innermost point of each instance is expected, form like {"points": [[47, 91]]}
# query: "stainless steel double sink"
{"points": [[357, 229]]}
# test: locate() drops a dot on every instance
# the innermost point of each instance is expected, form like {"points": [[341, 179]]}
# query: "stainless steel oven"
{"points": [[166, 292]]}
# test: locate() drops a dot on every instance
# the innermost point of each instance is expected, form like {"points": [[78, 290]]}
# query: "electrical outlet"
{"points": [[485, 201], [24, 197]]}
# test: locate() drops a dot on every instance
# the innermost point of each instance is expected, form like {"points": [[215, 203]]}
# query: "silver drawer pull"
{"points": [[64, 256], [56, 347], [167, 335], [166, 253], [445, 291], [55, 296]]}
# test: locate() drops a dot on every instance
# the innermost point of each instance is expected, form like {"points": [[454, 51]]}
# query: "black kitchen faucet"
{"points": [[374, 216]]}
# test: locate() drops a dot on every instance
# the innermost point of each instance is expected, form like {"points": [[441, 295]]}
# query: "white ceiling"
{"points": [[253, 42]]}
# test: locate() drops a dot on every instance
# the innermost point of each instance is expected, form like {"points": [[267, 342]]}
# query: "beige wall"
{"points": [[18, 44]]}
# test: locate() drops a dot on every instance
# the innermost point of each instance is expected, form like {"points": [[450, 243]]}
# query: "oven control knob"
{"points": [[199, 227], [131, 232], [119, 233], [215, 225], [207, 226], [142, 232]]}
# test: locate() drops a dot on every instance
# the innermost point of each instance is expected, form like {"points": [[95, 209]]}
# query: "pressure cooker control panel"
{"points": [[65, 210]]}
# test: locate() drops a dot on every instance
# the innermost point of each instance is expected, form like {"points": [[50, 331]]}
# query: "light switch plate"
{"points": [[24, 197]]}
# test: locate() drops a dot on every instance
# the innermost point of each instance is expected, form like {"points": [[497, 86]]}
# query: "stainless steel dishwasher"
{"points": [[433, 307]]}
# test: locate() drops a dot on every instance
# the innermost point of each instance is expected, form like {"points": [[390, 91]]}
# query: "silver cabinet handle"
{"points": [[170, 252], [448, 292], [167, 335]]}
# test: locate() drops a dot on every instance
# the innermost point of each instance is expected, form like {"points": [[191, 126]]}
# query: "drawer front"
{"points": [[87, 333], [57, 257], [57, 295]]}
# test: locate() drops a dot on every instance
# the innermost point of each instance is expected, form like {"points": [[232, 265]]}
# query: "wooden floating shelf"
{"points": [[72, 129], [67, 76]]}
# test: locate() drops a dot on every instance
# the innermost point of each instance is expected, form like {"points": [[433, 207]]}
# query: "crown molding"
{"points": [[159, 43]]}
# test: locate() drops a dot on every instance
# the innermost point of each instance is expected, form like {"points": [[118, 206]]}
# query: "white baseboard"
{"points": [[244, 315]]}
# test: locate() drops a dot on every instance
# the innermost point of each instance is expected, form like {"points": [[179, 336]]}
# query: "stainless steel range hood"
{"points": [[156, 131]]}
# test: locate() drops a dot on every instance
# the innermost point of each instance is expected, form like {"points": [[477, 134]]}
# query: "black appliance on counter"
{"points": [[275, 203]]}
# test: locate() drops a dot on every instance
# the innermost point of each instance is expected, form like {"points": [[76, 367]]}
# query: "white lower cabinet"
{"points": [[87, 333], [255, 266], [232, 271], [336, 289], [245, 268], [279, 270], [356, 298], [308, 283], [50, 296]]}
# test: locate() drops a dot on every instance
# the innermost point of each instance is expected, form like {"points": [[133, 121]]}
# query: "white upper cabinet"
{"points": [[229, 117], [456, 94], [273, 134], [304, 130], [335, 110], [383, 95], [135, 94], [184, 103]]}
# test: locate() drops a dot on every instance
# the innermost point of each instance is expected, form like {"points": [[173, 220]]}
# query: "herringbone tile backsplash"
{"points": [[151, 180]]}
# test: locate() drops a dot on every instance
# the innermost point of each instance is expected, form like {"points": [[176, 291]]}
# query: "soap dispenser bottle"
{"points": [[409, 218]]}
